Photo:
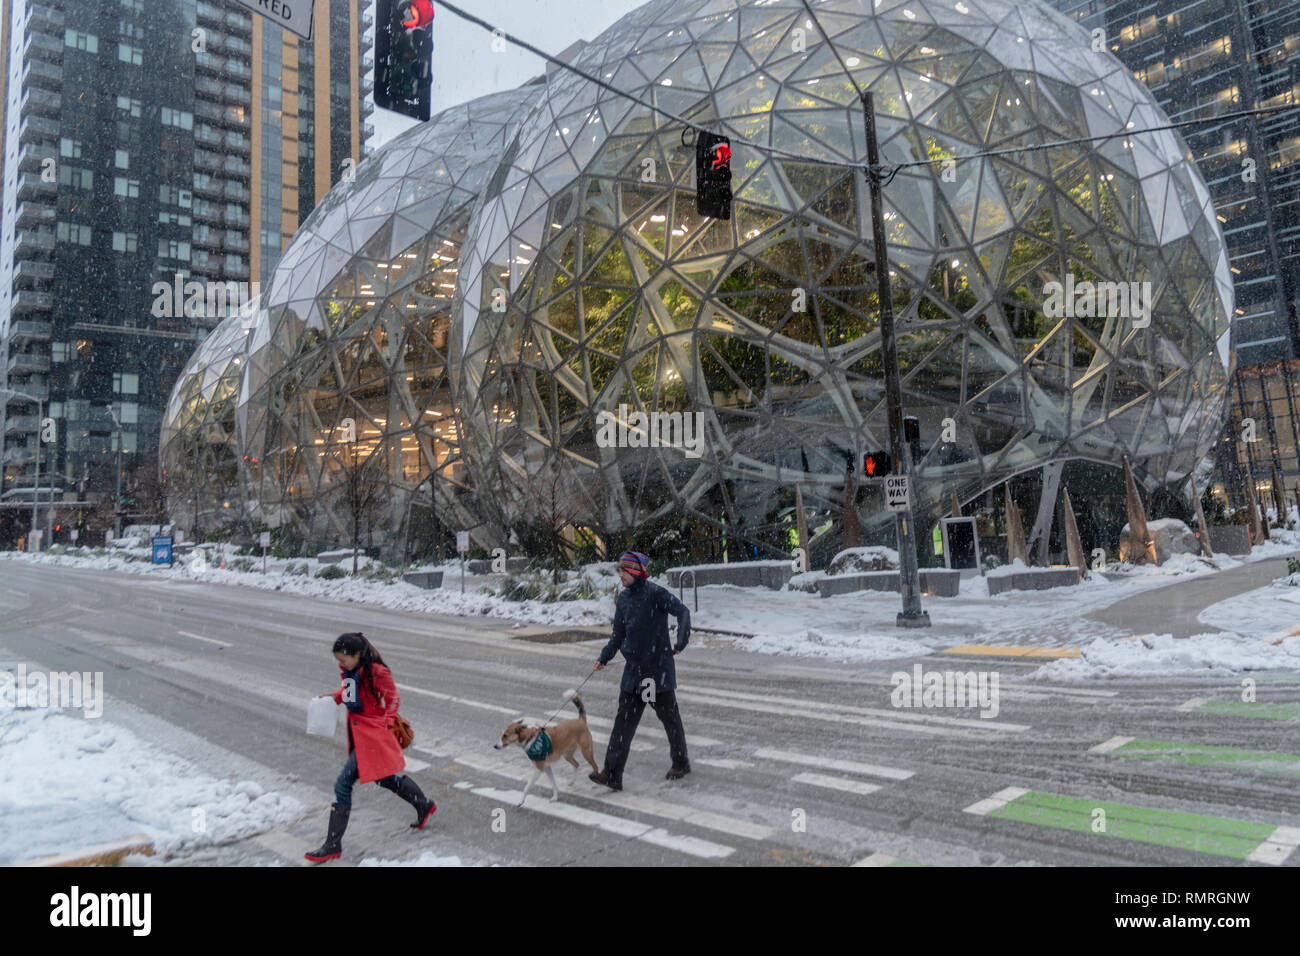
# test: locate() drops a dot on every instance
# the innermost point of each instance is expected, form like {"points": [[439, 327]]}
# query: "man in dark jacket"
{"points": [[641, 633]]}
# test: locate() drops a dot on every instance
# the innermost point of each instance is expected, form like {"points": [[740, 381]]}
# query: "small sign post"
{"points": [[162, 550], [462, 545], [898, 496], [264, 539]]}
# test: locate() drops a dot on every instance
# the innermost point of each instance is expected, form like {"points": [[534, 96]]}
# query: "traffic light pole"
{"points": [[909, 572]]}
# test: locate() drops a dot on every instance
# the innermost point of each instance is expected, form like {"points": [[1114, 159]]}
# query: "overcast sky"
{"points": [[464, 65]]}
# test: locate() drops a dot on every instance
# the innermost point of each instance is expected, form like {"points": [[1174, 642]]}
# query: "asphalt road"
{"points": [[796, 762]]}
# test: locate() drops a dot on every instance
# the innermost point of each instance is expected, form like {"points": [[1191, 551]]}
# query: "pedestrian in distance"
{"points": [[649, 676], [374, 753]]}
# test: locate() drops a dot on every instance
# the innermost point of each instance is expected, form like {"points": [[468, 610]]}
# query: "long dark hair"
{"points": [[354, 642]]}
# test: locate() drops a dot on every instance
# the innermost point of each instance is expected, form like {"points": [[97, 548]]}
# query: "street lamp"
{"points": [[117, 502], [36, 486]]}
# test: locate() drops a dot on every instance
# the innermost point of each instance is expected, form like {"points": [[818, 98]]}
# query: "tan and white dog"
{"points": [[561, 740]]}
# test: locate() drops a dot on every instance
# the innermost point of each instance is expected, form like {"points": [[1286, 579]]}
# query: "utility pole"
{"points": [[909, 573]]}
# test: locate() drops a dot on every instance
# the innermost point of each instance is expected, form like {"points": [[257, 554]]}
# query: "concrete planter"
{"points": [[752, 574], [429, 580], [935, 582], [1038, 579]]}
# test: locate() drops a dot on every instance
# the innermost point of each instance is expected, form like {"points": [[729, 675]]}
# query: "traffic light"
{"points": [[713, 175], [877, 464], [911, 429], [403, 56]]}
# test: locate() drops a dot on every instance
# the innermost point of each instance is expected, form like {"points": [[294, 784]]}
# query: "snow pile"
{"points": [[1205, 655], [856, 560], [67, 783], [427, 858], [287, 576], [1263, 611]]}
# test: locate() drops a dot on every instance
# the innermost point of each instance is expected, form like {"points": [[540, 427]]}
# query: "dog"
{"points": [[564, 738]]}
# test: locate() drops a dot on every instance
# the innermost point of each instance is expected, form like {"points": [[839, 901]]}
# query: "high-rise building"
{"points": [[1202, 59], [150, 142]]}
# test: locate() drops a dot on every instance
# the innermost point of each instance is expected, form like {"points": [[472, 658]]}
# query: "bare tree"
{"points": [[554, 501], [362, 490]]}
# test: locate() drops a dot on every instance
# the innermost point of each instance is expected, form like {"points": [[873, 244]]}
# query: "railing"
{"points": [[681, 585]]}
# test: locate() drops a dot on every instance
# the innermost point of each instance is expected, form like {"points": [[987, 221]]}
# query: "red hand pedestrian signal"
{"points": [[877, 464], [420, 12], [722, 156]]}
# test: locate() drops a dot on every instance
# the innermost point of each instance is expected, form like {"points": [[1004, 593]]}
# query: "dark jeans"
{"points": [[630, 709], [348, 776]]}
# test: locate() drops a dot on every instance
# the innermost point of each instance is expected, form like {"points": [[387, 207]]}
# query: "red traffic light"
{"points": [[877, 463], [421, 13], [722, 156]]}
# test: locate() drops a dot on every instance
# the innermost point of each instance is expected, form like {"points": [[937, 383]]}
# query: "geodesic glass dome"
{"points": [[198, 443], [588, 280], [354, 338]]}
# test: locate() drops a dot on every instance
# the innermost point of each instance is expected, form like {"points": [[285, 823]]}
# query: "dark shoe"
{"points": [[605, 780], [676, 773], [333, 847], [410, 791]]}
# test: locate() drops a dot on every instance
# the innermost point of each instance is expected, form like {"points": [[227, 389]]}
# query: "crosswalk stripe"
{"points": [[1196, 703], [693, 846], [865, 716], [628, 801], [997, 801], [835, 783], [1280, 844], [1110, 745], [876, 859], [831, 763]]}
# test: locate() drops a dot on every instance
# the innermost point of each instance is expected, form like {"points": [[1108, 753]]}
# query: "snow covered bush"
{"points": [[857, 560], [331, 572]]}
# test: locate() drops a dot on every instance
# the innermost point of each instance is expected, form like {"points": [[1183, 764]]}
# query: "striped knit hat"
{"points": [[635, 563]]}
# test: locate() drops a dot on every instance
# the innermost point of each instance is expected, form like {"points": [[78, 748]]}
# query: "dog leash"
{"points": [[561, 707]]}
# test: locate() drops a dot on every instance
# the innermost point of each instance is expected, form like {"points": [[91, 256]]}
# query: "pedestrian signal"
{"points": [[403, 56], [876, 464], [713, 175]]}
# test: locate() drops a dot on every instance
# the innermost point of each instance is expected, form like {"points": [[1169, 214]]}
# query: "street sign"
{"points": [[75, 534], [462, 541], [162, 550], [264, 539], [293, 15], [898, 496]]}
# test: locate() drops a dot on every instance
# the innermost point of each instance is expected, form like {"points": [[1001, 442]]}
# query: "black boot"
{"points": [[605, 779], [333, 847], [410, 791]]}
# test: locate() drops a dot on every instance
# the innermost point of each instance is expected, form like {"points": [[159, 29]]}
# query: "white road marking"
{"points": [[830, 763], [876, 859], [700, 818], [1281, 843], [723, 763], [649, 805], [463, 785], [1196, 703], [210, 640], [835, 783], [415, 766], [692, 846], [997, 801], [1110, 745], [897, 719], [1055, 689]]}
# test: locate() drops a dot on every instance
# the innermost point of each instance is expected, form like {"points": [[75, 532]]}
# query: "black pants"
{"points": [[630, 709]]}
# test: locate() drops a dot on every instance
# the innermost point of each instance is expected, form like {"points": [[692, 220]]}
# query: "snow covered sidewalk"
{"points": [[68, 782]]}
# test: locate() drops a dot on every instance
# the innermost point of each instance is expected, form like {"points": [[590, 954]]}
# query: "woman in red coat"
{"points": [[374, 754]]}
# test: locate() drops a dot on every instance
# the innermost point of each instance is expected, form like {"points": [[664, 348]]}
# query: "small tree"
{"points": [[553, 500], [362, 489]]}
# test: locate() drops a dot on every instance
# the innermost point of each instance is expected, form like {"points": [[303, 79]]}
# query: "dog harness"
{"points": [[540, 748]]}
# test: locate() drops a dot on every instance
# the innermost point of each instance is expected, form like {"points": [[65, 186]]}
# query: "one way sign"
{"points": [[293, 15], [898, 494]]}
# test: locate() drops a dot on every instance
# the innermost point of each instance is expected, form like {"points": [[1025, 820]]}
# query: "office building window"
{"points": [[81, 41], [130, 188], [130, 54], [126, 242]]}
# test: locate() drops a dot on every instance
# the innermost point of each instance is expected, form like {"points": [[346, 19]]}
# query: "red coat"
{"points": [[370, 732]]}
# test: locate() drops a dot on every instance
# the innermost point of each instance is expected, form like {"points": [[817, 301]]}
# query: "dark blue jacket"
{"points": [[641, 633]]}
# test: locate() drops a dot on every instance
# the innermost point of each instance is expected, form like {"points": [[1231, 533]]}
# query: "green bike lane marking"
{"points": [[1221, 836], [1140, 748], [1239, 708]]}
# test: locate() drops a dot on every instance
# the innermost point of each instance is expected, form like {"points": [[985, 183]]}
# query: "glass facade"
{"points": [[582, 283]]}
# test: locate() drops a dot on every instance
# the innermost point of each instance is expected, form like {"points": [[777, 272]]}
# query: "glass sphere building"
{"points": [[1051, 304]]}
